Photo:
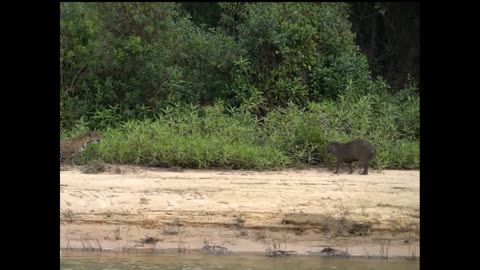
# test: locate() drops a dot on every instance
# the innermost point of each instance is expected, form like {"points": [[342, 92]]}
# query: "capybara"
{"points": [[357, 150]]}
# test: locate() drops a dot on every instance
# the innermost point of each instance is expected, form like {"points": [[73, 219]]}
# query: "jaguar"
{"points": [[71, 147]]}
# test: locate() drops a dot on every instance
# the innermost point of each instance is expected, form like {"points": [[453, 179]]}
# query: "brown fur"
{"points": [[357, 150]]}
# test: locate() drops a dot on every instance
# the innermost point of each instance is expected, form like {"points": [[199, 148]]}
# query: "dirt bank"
{"points": [[127, 208]]}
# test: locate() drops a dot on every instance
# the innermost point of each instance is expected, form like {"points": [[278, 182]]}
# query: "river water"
{"points": [[81, 260]]}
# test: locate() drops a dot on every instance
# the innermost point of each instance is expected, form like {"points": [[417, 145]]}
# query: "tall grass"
{"points": [[219, 136]]}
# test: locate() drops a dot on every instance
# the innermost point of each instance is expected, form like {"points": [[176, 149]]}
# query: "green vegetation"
{"points": [[267, 88]]}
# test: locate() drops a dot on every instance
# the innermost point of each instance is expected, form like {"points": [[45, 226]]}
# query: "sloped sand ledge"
{"points": [[132, 209]]}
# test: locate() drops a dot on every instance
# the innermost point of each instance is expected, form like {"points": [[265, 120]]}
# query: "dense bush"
{"points": [[216, 136], [268, 88]]}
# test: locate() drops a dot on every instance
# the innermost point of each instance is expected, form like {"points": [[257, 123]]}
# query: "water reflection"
{"points": [[75, 260]]}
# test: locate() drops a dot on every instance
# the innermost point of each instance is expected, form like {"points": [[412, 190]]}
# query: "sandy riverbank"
{"points": [[129, 208]]}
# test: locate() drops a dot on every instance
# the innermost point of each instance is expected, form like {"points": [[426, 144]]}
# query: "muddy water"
{"points": [[78, 260]]}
